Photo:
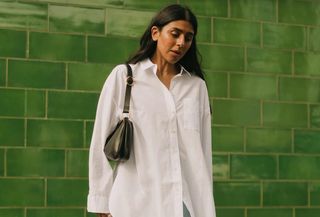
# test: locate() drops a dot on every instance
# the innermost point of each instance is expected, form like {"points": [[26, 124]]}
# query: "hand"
{"points": [[104, 215]]}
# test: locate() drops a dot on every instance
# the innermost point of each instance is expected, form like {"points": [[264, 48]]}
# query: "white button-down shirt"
{"points": [[171, 162]]}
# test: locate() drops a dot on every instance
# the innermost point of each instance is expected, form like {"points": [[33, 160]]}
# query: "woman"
{"points": [[169, 172]]}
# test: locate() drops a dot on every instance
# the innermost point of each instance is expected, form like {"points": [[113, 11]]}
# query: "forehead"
{"points": [[182, 25]]}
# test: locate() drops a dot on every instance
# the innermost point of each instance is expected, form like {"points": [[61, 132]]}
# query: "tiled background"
{"points": [[262, 59]]}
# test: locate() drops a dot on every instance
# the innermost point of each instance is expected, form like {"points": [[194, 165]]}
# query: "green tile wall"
{"points": [[236, 32], [76, 19], [36, 74], [253, 10], [15, 43], [262, 69], [2, 72], [125, 26], [275, 36], [23, 15]]}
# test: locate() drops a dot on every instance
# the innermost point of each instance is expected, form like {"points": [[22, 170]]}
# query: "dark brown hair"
{"points": [[168, 14]]}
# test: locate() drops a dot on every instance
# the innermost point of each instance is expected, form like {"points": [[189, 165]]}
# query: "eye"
{"points": [[189, 37], [175, 34]]}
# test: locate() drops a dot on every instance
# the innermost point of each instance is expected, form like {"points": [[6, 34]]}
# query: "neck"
{"points": [[164, 67]]}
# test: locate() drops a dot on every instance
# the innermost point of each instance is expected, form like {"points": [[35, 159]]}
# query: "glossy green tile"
{"points": [[220, 166], [2, 159], [36, 103], [87, 3], [314, 116], [35, 162], [87, 76], [36, 74], [89, 130], [262, 140], [204, 29], [299, 89], [269, 61], [12, 102], [227, 139], [73, 105], [314, 43], [217, 84], [50, 212], [315, 193], [299, 167], [253, 167], [76, 19], [306, 141], [307, 212], [23, 15], [236, 112], [12, 212], [57, 46], [230, 212], [72, 192], [285, 115], [2, 72], [15, 45], [77, 163], [114, 50], [91, 214], [236, 193], [222, 57], [267, 212], [276, 36], [253, 86], [7, 126], [253, 10], [307, 63], [22, 192], [285, 194], [217, 8], [147, 4], [236, 32], [119, 22], [299, 12], [51, 133]]}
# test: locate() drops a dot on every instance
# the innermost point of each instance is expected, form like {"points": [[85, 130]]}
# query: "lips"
{"points": [[178, 53]]}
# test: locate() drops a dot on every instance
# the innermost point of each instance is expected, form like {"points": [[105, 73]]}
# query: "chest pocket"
{"points": [[191, 114]]}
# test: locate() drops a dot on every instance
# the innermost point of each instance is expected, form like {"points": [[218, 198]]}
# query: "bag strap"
{"points": [[126, 106]]}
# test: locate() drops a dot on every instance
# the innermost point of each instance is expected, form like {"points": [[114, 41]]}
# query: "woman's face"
{"points": [[173, 40]]}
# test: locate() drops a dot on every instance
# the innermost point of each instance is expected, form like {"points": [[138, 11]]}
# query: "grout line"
{"points": [[7, 73], [229, 9], [84, 133], [45, 192], [27, 44], [46, 104], [292, 141], [5, 162], [292, 62], [86, 37], [105, 21], [212, 29], [277, 11], [307, 38], [278, 166], [245, 139], [228, 85], [261, 34], [66, 76]]}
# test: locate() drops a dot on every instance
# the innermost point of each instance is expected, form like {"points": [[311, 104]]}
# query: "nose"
{"points": [[181, 41]]}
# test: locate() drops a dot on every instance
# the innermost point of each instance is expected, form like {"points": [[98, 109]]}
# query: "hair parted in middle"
{"points": [[168, 14]]}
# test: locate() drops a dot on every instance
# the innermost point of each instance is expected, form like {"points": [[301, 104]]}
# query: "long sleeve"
{"points": [[206, 133], [107, 115]]}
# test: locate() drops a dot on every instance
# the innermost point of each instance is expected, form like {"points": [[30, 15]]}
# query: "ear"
{"points": [[155, 32]]}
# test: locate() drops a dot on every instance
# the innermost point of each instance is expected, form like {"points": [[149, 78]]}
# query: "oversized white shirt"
{"points": [[171, 162]]}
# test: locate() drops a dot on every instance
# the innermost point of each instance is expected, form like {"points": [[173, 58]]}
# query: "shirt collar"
{"points": [[148, 64]]}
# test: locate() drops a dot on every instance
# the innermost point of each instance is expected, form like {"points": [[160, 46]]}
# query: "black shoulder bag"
{"points": [[119, 143]]}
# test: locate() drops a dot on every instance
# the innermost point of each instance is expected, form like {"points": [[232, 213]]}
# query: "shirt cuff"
{"points": [[98, 204]]}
